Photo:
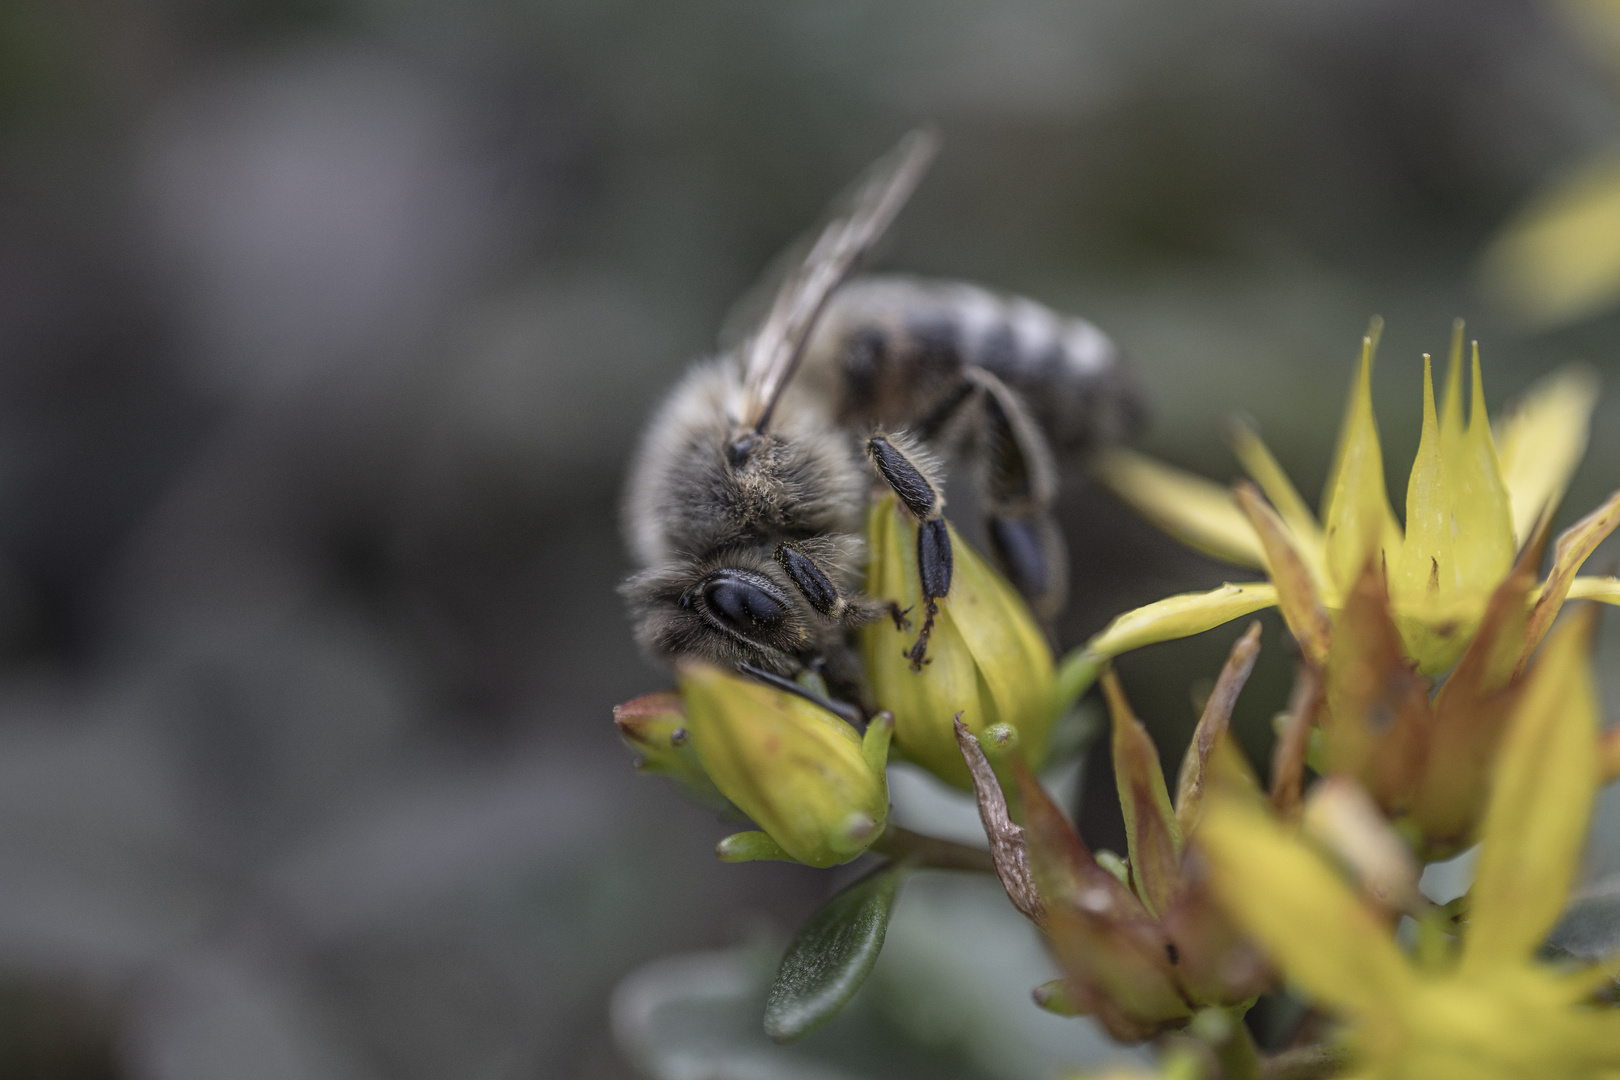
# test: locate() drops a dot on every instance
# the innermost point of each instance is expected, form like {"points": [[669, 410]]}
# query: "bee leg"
{"points": [[823, 593], [926, 502], [1019, 483]]}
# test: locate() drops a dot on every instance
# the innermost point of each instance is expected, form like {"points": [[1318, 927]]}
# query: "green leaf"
{"points": [[832, 956]]}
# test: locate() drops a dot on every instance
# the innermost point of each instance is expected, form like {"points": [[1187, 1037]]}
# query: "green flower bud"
{"points": [[987, 659], [803, 775]]}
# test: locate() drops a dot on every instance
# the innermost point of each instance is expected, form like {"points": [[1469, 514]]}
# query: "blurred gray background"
{"points": [[326, 327]]}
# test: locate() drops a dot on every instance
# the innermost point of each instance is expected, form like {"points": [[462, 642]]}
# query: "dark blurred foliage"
{"points": [[326, 327]]}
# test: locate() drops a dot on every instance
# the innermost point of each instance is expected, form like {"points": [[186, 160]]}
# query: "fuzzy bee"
{"points": [[746, 498]]}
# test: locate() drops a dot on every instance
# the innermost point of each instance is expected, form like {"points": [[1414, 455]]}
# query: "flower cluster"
{"points": [[1436, 699]]}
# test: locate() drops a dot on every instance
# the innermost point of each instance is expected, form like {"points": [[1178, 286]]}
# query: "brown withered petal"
{"points": [[1151, 830], [1288, 756], [1296, 593], [1212, 725], [1377, 718], [1007, 845], [1215, 964], [1472, 710], [1574, 546], [1063, 868], [1120, 971], [1609, 754]]}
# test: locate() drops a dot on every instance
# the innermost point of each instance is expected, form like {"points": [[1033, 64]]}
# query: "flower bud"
{"points": [[987, 659], [654, 725], [803, 775]]}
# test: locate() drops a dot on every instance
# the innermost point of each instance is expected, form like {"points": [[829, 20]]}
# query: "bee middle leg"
{"points": [[907, 473], [1019, 483]]}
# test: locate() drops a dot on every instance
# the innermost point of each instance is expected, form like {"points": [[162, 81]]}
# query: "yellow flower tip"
{"points": [[655, 726], [801, 773], [1196, 511], [1541, 441], [988, 659]]}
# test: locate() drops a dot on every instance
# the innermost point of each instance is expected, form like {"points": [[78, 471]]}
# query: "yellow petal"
{"points": [[1425, 575], [1263, 468], [986, 658], [1151, 831], [1358, 518], [1606, 589], [1296, 595], [1541, 441], [793, 767], [1574, 546], [1163, 620], [1481, 512], [1288, 898], [1544, 782], [1557, 261], [1198, 512]]}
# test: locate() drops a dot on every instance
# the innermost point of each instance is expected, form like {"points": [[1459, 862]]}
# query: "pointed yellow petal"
{"points": [[1544, 783], [1198, 512], [1358, 518], [1556, 261], [1297, 597], [1212, 725], [1257, 461], [1481, 513], [1606, 589], [1425, 576], [1174, 617], [1286, 896], [1574, 546], [1151, 831], [1541, 441], [1451, 408]]}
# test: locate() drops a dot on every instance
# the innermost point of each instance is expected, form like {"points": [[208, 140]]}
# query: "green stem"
{"points": [[1237, 1054], [932, 852]]}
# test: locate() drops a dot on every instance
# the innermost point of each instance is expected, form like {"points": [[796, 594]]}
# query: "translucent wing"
{"points": [[771, 352]]}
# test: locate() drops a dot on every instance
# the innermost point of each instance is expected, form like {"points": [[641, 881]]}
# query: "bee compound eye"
{"points": [[742, 602]]}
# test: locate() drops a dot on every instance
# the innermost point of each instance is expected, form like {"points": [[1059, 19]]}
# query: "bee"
{"points": [[746, 497]]}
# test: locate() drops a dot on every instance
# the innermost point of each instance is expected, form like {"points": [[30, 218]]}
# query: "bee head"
{"points": [[731, 610]]}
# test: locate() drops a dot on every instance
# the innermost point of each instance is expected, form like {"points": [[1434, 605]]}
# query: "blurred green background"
{"points": [[326, 327]]}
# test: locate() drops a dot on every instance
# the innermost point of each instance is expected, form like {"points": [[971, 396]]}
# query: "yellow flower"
{"points": [[1472, 501], [803, 775], [987, 659], [1487, 1010]]}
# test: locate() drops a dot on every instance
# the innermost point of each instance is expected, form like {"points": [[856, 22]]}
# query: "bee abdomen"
{"points": [[898, 346]]}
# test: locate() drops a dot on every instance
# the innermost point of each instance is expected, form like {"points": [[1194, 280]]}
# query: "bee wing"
{"points": [[771, 352]]}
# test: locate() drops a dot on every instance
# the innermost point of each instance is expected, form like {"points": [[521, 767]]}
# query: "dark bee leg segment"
{"points": [[1019, 482], [816, 586], [925, 501], [934, 568], [908, 481], [838, 708]]}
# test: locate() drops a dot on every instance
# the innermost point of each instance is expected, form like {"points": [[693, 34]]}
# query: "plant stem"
{"points": [[1304, 1063], [1238, 1056], [932, 852]]}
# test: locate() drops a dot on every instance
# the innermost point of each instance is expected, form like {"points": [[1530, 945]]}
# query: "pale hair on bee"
{"points": [[746, 499]]}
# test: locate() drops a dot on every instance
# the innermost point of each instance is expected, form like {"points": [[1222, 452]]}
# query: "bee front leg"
{"points": [[823, 593], [907, 474]]}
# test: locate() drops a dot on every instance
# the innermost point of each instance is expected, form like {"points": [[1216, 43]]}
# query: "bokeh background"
{"points": [[326, 327]]}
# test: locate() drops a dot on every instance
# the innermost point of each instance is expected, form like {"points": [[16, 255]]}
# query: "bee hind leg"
{"points": [[1019, 482], [907, 472]]}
